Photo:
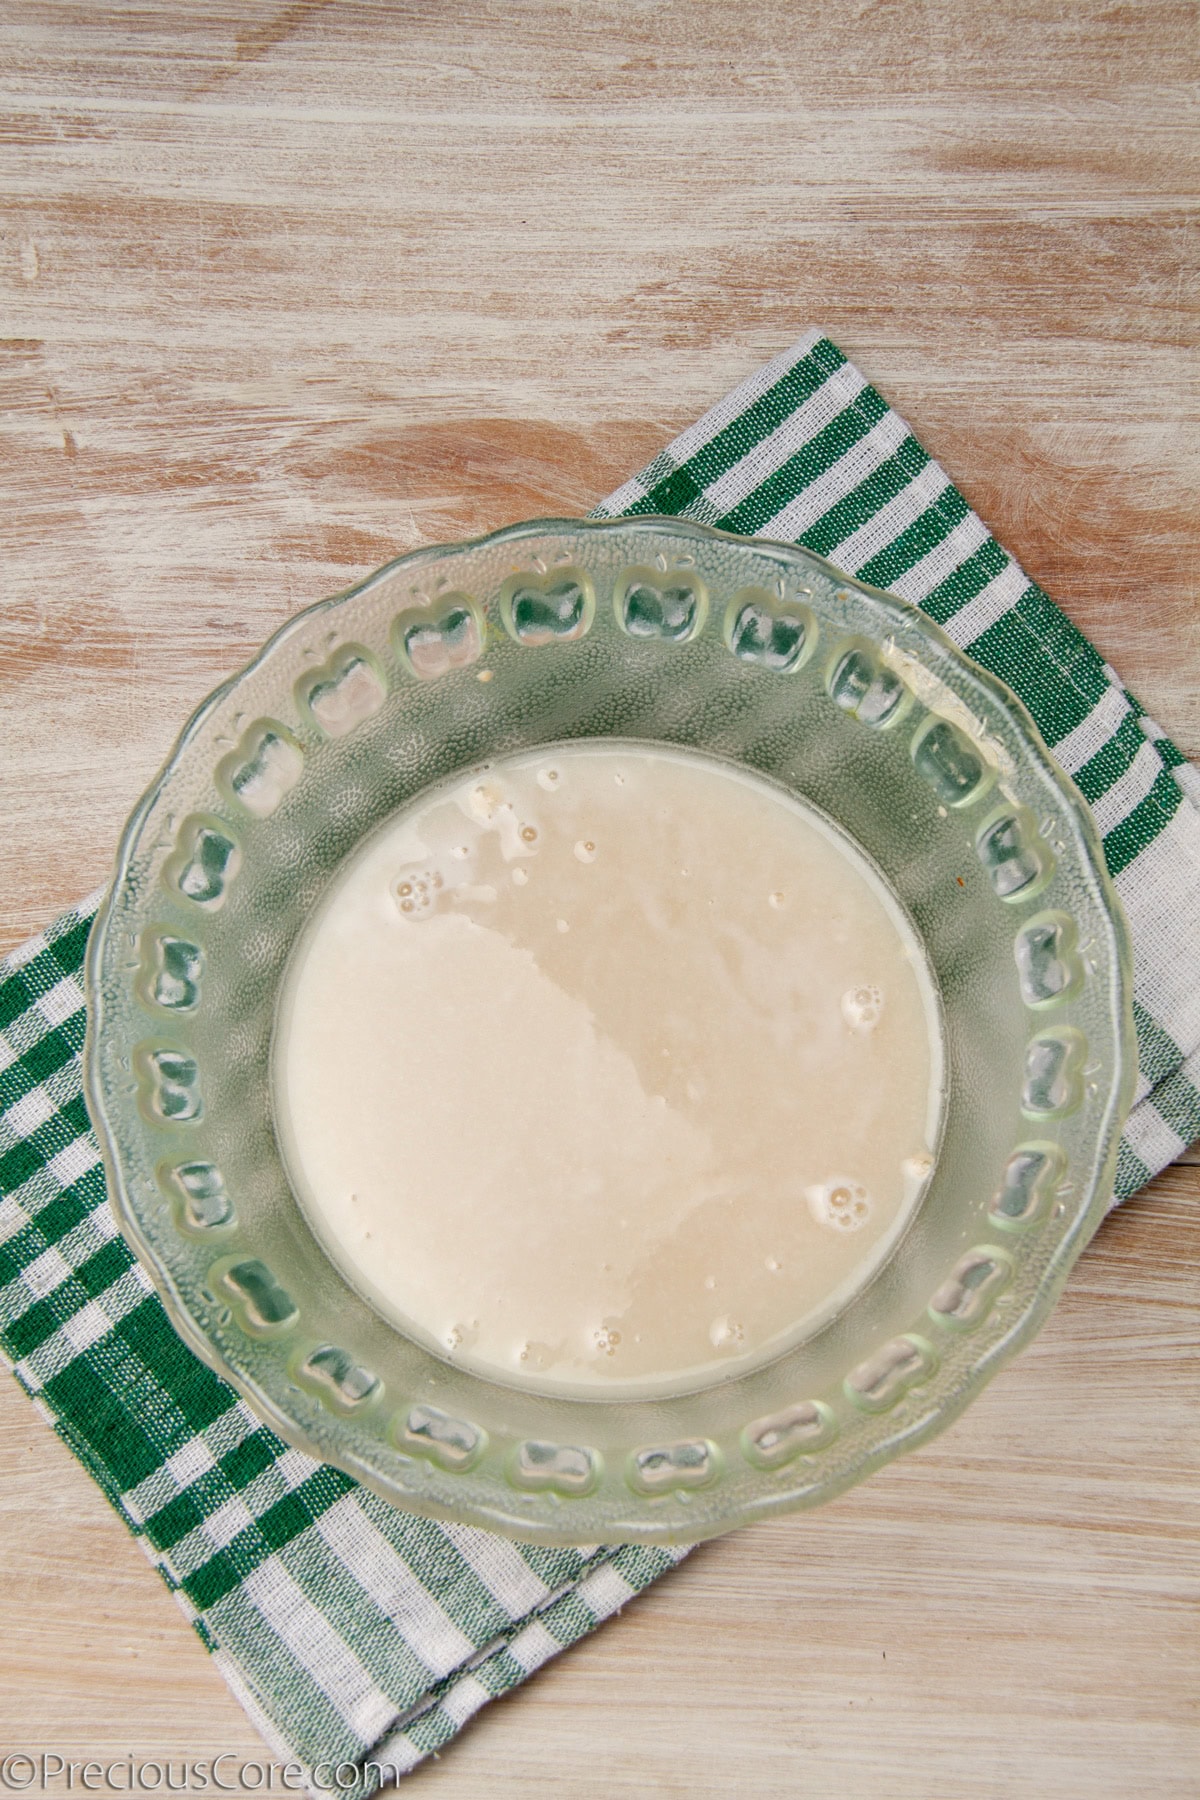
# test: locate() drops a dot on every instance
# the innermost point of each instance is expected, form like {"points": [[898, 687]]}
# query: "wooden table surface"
{"points": [[288, 289]]}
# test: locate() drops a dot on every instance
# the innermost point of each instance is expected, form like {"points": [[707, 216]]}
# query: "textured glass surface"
{"points": [[655, 631]]}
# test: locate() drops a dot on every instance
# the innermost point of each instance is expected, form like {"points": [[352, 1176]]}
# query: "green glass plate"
{"points": [[660, 632]]}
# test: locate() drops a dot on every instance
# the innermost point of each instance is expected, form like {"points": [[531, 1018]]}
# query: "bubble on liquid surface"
{"points": [[775, 900], [585, 851], [606, 1340], [520, 877], [842, 1204], [488, 804], [725, 1333], [862, 1008], [415, 891], [548, 779], [486, 800]]}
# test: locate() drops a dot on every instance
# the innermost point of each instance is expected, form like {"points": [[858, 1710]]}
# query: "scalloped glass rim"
{"points": [[719, 1478]]}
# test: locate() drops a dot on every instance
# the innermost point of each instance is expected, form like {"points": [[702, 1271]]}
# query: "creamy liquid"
{"points": [[608, 1068]]}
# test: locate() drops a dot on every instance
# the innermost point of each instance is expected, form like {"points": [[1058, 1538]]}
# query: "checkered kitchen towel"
{"points": [[359, 1637]]}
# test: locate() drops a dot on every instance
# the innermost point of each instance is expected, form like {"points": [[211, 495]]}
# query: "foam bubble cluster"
{"points": [[842, 1204], [415, 890], [862, 1008]]}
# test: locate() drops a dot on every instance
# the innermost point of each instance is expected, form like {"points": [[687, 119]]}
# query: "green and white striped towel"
{"points": [[360, 1638]]}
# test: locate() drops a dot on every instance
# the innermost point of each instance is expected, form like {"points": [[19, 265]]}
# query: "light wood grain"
{"points": [[285, 290]]}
